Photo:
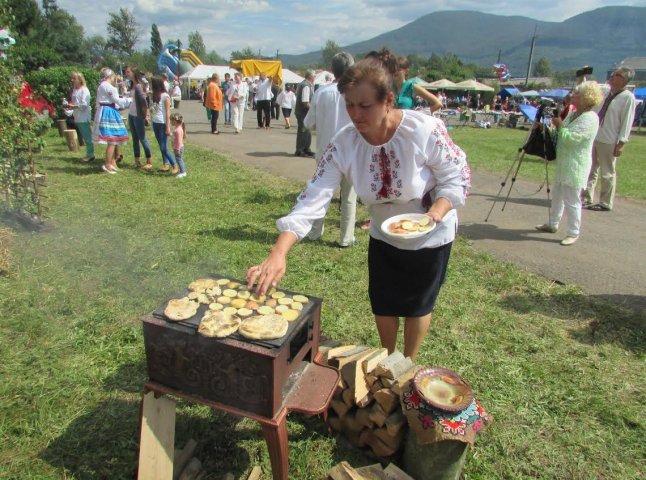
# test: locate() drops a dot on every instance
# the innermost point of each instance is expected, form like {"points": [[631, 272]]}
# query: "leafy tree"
{"points": [[144, 61], [64, 35], [96, 47], [156, 44], [243, 54], [123, 31], [196, 43], [543, 68], [213, 58], [331, 48], [26, 17]]}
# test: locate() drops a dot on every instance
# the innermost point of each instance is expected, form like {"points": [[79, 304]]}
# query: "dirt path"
{"points": [[607, 262]]}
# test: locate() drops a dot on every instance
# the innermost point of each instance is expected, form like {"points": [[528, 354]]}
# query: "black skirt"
{"points": [[405, 283]]}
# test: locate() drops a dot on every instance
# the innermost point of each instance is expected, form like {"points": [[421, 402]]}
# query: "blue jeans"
{"points": [[138, 132], [162, 140], [86, 134], [227, 112], [179, 154]]}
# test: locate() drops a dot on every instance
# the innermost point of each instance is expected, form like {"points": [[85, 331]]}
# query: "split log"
{"points": [[371, 379], [192, 470], [377, 415], [401, 380], [335, 423], [393, 366], [339, 407], [352, 373], [387, 399], [182, 456], [345, 358], [395, 473], [378, 447], [72, 140], [378, 385], [333, 352], [351, 424], [344, 471], [395, 441], [255, 473], [327, 345], [369, 363], [363, 417], [395, 422], [372, 472], [348, 397], [365, 401]]}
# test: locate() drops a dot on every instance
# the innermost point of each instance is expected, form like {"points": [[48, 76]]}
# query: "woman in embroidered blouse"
{"points": [[80, 103], [575, 138], [395, 159]]}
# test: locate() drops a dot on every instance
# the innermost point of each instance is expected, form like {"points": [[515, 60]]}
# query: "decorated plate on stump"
{"points": [[443, 389], [408, 225]]}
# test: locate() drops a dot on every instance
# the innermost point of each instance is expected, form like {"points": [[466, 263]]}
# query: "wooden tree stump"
{"points": [[62, 126], [72, 140]]}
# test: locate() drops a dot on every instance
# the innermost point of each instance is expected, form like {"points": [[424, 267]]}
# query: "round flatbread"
{"points": [[218, 324], [203, 284], [223, 281], [290, 315], [265, 310], [214, 292], [264, 327], [245, 294], [296, 306], [257, 298], [285, 301], [244, 312], [193, 295], [233, 284], [216, 306], [203, 299], [180, 309], [278, 295], [230, 293], [301, 299], [281, 308], [238, 303], [230, 310]]}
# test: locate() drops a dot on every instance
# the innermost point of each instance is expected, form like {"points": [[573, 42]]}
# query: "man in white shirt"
{"points": [[615, 121], [327, 115], [263, 100]]}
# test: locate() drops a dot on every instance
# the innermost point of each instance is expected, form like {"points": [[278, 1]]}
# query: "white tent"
{"points": [[323, 78], [202, 72], [291, 77]]}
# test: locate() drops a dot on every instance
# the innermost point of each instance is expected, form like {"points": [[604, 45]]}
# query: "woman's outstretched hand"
{"points": [[271, 271]]}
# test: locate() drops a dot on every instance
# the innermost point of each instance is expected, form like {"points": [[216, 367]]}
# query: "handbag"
{"points": [[541, 143]]}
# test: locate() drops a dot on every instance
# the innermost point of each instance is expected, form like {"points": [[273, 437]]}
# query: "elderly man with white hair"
{"points": [[615, 121]]}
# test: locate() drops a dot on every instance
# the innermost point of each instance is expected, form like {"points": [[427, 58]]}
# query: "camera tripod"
{"points": [[515, 168]]}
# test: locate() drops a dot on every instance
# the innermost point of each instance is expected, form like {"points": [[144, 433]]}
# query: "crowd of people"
{"points": [[147, 101]]}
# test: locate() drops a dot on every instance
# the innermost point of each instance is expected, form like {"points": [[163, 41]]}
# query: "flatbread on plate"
{"points": [[218, 324], [203, 284], [180, 309], [264, 327]]}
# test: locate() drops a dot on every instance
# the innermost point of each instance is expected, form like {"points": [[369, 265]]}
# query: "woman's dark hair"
{"points": [[137, 76], [369, 70], [158, 88]]}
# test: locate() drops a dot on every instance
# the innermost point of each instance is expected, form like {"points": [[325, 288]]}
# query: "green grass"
{"points": [[562, 374], [495, 149]]}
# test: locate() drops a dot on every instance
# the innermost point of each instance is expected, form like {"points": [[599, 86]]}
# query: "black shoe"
{"points": [[298, 153], [309, 153]]}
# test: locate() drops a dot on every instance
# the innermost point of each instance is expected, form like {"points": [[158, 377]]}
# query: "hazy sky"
{"points": [[298, 26]]}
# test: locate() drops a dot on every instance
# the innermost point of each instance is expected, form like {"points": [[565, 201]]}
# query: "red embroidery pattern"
{"points": [[383, 174]]}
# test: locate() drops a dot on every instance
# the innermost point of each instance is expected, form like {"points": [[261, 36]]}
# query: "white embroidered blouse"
{"points": [[390, 179]]}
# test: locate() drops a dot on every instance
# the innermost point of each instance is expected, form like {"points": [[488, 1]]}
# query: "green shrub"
{"points": [[54, 83]]}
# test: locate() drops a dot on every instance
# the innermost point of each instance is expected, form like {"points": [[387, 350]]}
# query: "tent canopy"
{"points": [[530, 93], [291, 77], [444, 83], [421, 82], [323, 78], [473, 85], [556, 93], [202, 72], [640, 93], [251, 68], [509, 92]]}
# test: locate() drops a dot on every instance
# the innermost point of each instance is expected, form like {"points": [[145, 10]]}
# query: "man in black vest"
{"points": [[304, 94]]}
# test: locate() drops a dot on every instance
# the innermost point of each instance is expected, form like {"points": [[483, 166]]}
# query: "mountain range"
{"points": [[601, 38]]}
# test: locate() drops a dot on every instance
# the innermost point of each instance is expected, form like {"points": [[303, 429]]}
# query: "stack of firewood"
{"points": [[366, 407]]}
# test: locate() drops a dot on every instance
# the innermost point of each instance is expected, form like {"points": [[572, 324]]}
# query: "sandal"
{"points": [[148, 166], [165, 168], [137, 163], [597, 207]]}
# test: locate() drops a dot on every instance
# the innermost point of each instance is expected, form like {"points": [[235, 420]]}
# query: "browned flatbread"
{"points": [[218, 324], [264, 327], [180, 309], [203, 284]]}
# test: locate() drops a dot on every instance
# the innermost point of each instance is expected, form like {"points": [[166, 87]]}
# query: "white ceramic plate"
{"points": [[409, 216]]}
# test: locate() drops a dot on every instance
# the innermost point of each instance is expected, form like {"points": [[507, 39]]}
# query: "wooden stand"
{"points": [[62, 126], [71, 137], [310, 394]]}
